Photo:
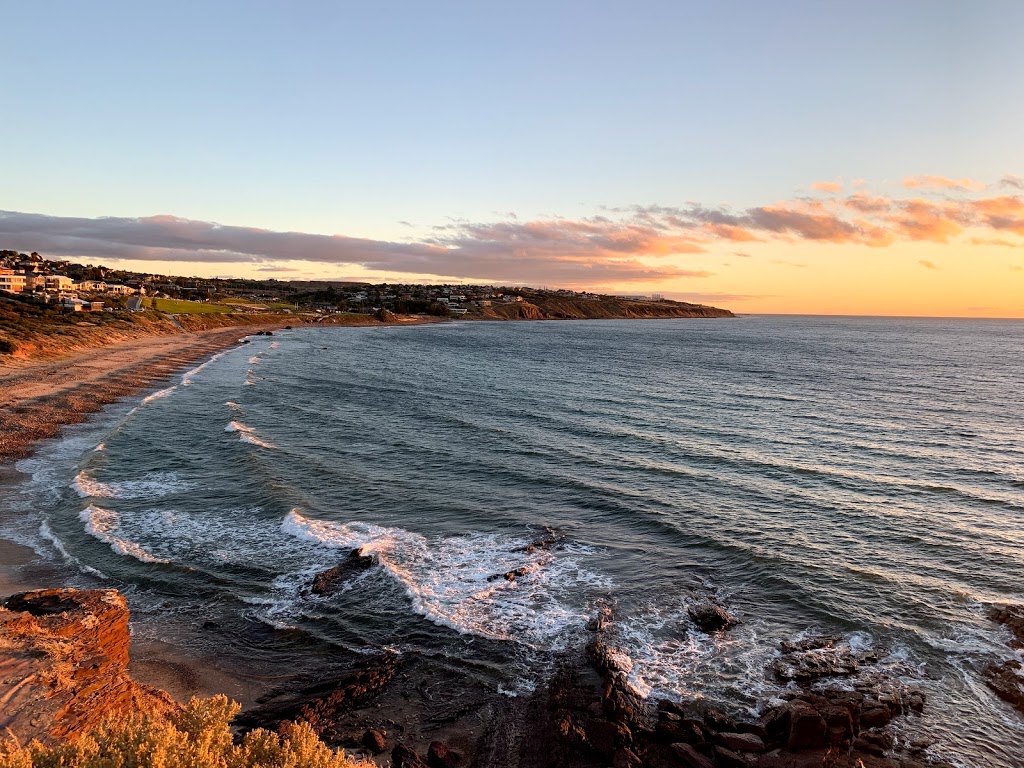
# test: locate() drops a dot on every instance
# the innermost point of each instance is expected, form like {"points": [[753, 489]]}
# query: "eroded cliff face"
{"points": [[63, 664], [554, 307]]}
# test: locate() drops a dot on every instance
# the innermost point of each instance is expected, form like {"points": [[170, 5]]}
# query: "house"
{"points": [[120, 290], [58, 283], [91, 285], [11, 281]]}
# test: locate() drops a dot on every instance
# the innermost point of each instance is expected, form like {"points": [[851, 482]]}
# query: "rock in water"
{"points": [[710, 617], [403, 757], [63, 664], [375, 741], [439, 756], [1007, 680], [327, 581]]}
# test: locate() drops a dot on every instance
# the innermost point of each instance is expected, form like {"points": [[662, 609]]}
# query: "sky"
{"points": [[789, 157]]}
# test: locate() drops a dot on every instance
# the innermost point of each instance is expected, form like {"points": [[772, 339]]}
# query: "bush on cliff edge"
{"points": [[198, 736]]}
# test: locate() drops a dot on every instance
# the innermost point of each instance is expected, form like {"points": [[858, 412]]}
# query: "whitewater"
{"points": [[850, 476]]}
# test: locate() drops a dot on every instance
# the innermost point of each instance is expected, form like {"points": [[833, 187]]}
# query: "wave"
{"points": [[158, 395], [103, 523], [186, 378], [247, 434], [459, 582], [254, 360], [153, 485], [48, 535]]}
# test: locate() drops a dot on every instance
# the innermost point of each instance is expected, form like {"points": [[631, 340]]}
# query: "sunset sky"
{"points": [[796, 157]]}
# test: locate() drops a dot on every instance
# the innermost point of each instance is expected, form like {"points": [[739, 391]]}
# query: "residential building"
{"points": [[11, 281]]}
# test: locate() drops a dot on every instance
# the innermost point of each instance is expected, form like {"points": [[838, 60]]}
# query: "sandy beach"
{"points": [[38, 397]]}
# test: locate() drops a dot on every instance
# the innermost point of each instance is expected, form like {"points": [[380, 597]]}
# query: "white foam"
{"points": [[46, 533], [151, 486], [247, 434], [188, 376], [86, 487], [103, 523], [451, 581], [254, 360], [275, 344], [158, 395]]}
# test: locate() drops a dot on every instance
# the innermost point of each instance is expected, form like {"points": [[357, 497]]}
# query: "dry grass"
{"points": [[197, 737]]}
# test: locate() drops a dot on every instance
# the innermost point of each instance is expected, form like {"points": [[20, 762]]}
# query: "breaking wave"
{"points": [[103, 524], [459, 581], [247, 434]]}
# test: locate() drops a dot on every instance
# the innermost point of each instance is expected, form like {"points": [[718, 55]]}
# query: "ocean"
{"points": [[856, 476]]}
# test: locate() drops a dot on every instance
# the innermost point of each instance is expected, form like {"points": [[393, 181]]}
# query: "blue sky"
{"points": [[338, 118]]}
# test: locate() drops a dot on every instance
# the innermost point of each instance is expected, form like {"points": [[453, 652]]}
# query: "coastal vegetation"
{"points": [[197, 736]]}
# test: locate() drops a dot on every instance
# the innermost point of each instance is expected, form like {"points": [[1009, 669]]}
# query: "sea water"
{"points": [[858, 476]]}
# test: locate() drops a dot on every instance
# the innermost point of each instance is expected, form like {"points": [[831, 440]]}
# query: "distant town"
{"points": [[74, 287]]}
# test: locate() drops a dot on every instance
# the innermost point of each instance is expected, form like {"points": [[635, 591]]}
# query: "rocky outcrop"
{"points": [[1012, 617], [710, 616], [597, 718], [808, 660], [322, 704], [1006, 679], [63, 664], [328, 581]]}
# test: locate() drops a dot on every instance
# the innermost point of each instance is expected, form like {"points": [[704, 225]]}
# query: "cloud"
{"points": [[827, 186], [1012, 180], [941, 182], [715, 297], [621, 245], [927, 264]]}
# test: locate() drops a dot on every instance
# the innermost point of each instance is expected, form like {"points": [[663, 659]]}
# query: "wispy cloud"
{"points": [[827, 186], [622, 245], [941, 182], [927, 264]]}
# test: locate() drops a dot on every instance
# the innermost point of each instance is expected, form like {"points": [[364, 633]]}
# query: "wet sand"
{"points": [[38, 397]]}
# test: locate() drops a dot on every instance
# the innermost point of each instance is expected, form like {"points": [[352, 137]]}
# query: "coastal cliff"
{"points": [[64, 655], [63, 664], [553, 306]]}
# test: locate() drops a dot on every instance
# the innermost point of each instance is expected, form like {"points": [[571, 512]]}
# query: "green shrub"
{"points": [[198, 736]]}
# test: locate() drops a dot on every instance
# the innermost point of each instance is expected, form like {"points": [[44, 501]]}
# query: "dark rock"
{"points": [[815, 658], [626, 758], [439, 756], [327, 581], [323, 703], [1011, 616], [601, 621], [729, 759], [875, 717], [755, 728], [690, 757], [544, 543], [512, 575], [741, 742], [208, 624], [810, 644], [806, 727], [717, 720], [375, 741], [709, 617], [403, 757], [1007, 680], [606, 736], [874, 742]]}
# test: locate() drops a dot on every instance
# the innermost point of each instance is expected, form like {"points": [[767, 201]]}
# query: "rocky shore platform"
{"points": [[64, 656]]}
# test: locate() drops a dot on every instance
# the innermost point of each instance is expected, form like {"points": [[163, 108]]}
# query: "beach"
{"points": [[40, 396]]}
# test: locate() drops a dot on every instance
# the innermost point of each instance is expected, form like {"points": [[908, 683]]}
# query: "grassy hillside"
{"points": [[34, 330]]}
